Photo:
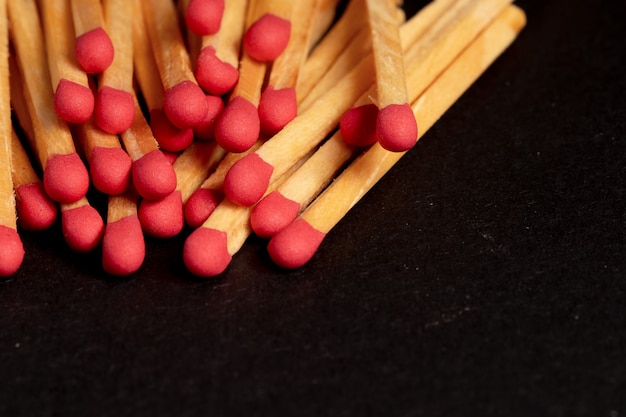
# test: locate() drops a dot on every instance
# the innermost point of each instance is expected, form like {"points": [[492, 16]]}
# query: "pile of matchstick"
{"points": [[222, 118]]}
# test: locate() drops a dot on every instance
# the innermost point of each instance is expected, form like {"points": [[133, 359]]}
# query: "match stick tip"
{"points": [[73, 102], [272, 214], [82, 227], [396, 127], [238, 127], [267, 37], [35, 210], [11, 251], [277, 107], [200, 205], [123, 246], [214, 75], [114, 110], [247, 180], [94, 51], [358, 125], [153, 175], [185, 104], [65, 178], [205, 252], [110, 170], [206, 129], [204, 17], [295, 245], [162, 218], [169, 137]]}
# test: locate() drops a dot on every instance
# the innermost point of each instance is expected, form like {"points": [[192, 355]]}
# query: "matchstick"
{"points": [[217, 64], [123, 244], [165, 218], [114, 109], [204, 17], [184, 101], [93, 48], [73, 98], [82, 226], [395, 125], [11, 247], [324, 18], [296, 244], [65, 176]]}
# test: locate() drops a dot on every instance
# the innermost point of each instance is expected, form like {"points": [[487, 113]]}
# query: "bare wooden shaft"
{"points": [[194, 165], [7, 199], [138, 138], [324, 17], [87, 15], [22, 171], [227, 42], [82, 202], [119, 23], [90, 136], [122, 205], [146, 71]]}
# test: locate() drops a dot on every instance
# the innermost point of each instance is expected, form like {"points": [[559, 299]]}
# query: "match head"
{"points": [[162, 218], [215, 76], [65, 178], [238, 127], [295, 245], [396, 127], [11, 251], [358, 125], [267, 38], [115, 110], [110, 170], [205, 252], [247, 180], [272, 214], [153, 175], [206, 129], [94, 51], [200, 205], [82, 228], [35, 210], [123, 246], [277, 107], [185, 104], [73, 102], [204, 17], [170, 137]]}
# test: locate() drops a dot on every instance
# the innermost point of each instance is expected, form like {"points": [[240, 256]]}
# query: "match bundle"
{"points": [[219, 118]]}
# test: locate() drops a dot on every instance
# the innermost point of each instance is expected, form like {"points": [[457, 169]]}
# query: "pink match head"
{"points": [[73, 103], [162, 218], [153, 176], [170, 137], [170, 156], [82, 228], [247, 180], [277, 108], [200, 205], [115, 110], [214, 75], [272, 214], [267, 38], [295, 245], [185, 104], [358, 125], [206, 129], [94, 51], [110, 170], [238, 127], [35, 210], [123, 247], [205, 252], [11, 251], [396, 127], [204, 17], [65, 178]]}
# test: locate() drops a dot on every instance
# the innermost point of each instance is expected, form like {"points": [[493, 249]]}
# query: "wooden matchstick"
{"points": [[65, 176], [324, 18], [296, 244], [73, 98], [93, 48]]}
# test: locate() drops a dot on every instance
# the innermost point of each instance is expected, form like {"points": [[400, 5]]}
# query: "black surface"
{"points": [[482, 276]]}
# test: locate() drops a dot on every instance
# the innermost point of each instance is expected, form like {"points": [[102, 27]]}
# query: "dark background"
{"points": [[482, 276]]}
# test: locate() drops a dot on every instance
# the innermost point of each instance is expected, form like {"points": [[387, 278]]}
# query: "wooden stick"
{"points": [[296, 244], [65, 176], [73, 98], [324, 18], [94, 49]]}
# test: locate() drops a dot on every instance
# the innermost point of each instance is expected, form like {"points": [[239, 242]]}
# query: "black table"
{"points": [[483, 275]]}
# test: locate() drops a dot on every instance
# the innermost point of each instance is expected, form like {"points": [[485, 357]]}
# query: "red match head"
{"points": [[267, 38], [110, 170], [358, 125], [35, 210], [277, 107], [185, 104], [214, 75], [123, 246], [94, 51], [396, 128], [238, 127], [73, 103], [206, 129], [65, 178], [115, 110], [272, 214], [200, 205], [295, 245], [82, 228], [170, 137], [162, 218], [247, 180], [153, 175], [11, 251], [205, 252], [204, 17]]}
